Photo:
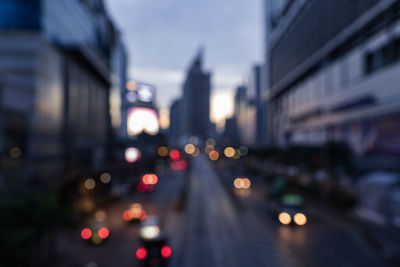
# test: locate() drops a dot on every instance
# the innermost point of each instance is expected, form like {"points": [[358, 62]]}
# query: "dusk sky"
{"points": [[163, 36]]}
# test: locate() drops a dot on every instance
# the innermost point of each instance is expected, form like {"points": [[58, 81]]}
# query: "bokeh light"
{"points": [[149, 179], [189, 149], [208, 149], [142, 120], [141, 253], [100, 216], [166, 251], [90, 183], [243, 150], [96, 239], [196, 152], [284, 218], [194, 140], [242, 183], [300, 219], [86, 233], [149, 231], [179, 165], [229, 152], [127, 215], [246, 183], [132, 154], [237, 183], [237, 154], [15, 152], [213, 155], [131, 85], [103, 232], [105, 178], [145, 93], [162, 151], [174, 154], [210, 142]]}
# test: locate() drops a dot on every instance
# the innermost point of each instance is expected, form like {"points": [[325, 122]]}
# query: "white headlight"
{"points": [[150, 232], [284, 218], [300, 219]]}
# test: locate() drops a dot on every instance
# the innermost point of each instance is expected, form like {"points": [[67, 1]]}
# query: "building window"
{"points": [[344, 71], [382, 57], [20, 14]]}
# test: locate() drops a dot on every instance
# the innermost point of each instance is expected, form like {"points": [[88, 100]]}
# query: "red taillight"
{"points": [[141, 253], [127, 215], [166, 251], [154, 179], [141, 187], [86, 233], [103, 232], [149, 179], [175, 155]]}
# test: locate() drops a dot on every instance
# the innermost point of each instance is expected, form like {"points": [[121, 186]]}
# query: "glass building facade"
{"points": [[20, 14]]}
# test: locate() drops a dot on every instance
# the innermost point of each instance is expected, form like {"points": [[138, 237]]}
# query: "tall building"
{"points": [[55, 80], [196, 99], [119, 66], [176, 121], [231, 131], [256, 84], [333, 73], [245, 115]]}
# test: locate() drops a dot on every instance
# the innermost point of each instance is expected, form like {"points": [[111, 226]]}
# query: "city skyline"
{"points": [[98, 168], [231, 34]]}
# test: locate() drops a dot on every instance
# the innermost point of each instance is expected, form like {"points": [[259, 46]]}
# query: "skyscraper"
{"points": [[55, 81], [176, 124], [196, 99], [334, 78]]}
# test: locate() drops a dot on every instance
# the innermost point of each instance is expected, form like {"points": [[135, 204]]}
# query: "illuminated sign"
{"points": [[145, 93], [142, 119], [139, 92]]}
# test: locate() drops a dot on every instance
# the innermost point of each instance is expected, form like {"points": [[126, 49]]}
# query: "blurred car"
{"points": [[96, 233], [155, 250], [134, 214], [289, 210], [147, 183]]}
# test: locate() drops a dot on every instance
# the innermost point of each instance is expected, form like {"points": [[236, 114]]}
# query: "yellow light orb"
{"points": [[300, 219], [284, 218], [229, 152], [100, 216], [238, 183], [105, 178], [189, 149], [90, 183], [131, 86], [246, 183], [208, 149], [213, 155], [162, 151], [196, 152], [237, 154]]}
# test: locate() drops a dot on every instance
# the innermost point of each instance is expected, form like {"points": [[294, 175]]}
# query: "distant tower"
{"points": [[196, 99]]}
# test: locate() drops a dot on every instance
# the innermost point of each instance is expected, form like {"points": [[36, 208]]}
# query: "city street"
{"points": [[199, 133], [219, 227], [120, 249]]}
